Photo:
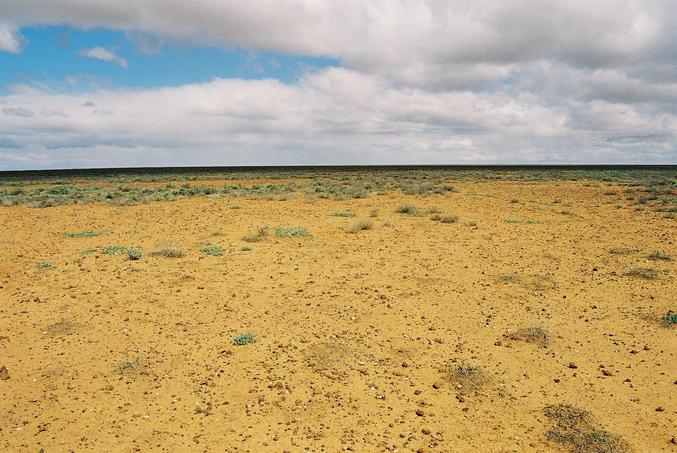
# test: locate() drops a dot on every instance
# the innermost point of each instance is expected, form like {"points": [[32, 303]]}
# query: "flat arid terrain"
{"points": [[346, 310]]}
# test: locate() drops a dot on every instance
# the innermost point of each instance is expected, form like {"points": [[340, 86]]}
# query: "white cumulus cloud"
{"points": [[99, 53], [10, 39]]}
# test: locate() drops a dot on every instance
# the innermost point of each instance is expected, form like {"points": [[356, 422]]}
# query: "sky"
{"points": [[95, 83]]}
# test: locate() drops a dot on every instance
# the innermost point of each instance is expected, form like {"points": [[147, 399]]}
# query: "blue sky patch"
{"points": [[54, 57]]}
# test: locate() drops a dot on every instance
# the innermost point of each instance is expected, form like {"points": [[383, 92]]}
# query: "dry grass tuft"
{"points": [[537, 335], [574, 429], [647, 273], [468, 376], [168, 251], [260, 235], [360, 225]]}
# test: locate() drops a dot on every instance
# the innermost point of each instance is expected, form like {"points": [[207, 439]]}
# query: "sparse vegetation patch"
{"points": [[659, 255], [292, 232], [574, 429], [647, 273], [168, 251], [81, 234], [244, 339], [360, 225], [536, 335], [213, 250], [259, 235], [468, 376]]}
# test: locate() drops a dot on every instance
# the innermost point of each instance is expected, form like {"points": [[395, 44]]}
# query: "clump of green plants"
{"points": [[514, 200], [468, 376], [622, 250], [87, 251], [213, 250], [670, 318], [259, 235], [407, 209], [168, 251], [536, 335], [292, 232], [113, 250], [575, 430], [343, 214], [647, 273], [658, 255], [45, 265], [360, 225], [246, 249], [134, 253], [244, 339], [81, 234]]}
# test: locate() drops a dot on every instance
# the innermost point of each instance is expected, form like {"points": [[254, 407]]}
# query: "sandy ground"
{"points": [[356, 334]]}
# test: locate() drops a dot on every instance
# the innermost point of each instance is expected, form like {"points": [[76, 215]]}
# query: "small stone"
{"points": [[436, 385], [405, 365], [420, 412], [660, 409], [4, 373], [426, 431], [572, 365], [606, 373], [417, 392]]}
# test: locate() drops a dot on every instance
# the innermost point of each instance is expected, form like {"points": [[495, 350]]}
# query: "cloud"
{"points": [[331, 116], [429, 81], [10, 39], [99, 53]]}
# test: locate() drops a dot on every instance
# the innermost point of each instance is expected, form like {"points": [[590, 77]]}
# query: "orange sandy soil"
{"points": [[355, 333]]}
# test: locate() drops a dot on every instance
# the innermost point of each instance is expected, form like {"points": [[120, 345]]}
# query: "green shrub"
{"points": [[670, 318], [244, 339], [45, 265], [658, 255], [343, 214], [113, 250], [134, 253], [213, 250], [291, 232]]}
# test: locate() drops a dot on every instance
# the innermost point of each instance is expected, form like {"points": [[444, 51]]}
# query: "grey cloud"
{"points": [[18, 111]]}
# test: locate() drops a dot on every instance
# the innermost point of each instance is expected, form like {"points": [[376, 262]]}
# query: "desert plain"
{"points": [[339, 310]]}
